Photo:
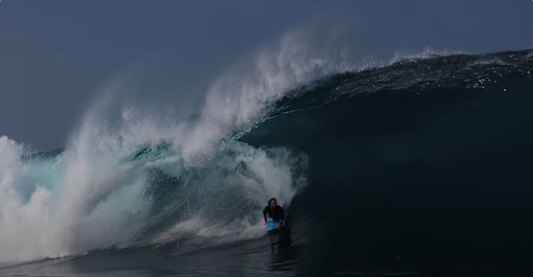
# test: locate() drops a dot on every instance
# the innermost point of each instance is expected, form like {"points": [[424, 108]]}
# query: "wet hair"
{"points": [[269, 201]]}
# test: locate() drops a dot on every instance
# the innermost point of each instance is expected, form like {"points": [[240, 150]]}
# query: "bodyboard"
{"points": [[271, 224]]}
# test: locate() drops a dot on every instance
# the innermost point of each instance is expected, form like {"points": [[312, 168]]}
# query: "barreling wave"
{"points": [[421, 165], [141, 181]]}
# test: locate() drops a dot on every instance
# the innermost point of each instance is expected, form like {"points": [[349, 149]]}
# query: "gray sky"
{"points": [[56, 55]]}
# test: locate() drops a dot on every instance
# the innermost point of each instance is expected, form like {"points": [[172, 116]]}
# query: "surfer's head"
{"points": [[272, 202]]}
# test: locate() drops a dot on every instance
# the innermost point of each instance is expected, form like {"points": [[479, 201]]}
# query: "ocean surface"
{"points": [[421, 167]]}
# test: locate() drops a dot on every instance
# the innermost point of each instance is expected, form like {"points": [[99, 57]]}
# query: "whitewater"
{"points": [[89, 196]]}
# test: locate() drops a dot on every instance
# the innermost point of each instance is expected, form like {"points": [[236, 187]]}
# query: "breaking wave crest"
{"points": [[142, 179]]}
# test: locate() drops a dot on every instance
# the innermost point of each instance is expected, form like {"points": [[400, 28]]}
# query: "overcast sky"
{"points": [[55, 56]]}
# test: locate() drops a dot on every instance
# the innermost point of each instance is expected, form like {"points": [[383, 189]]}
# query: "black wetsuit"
{"points": [[276, 214]]}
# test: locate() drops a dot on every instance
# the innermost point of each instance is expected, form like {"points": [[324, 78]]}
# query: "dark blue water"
{"points": [[421, 168]]}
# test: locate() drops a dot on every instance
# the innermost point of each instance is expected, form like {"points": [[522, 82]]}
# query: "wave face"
{"points": [[420, 166], [417, 166]]}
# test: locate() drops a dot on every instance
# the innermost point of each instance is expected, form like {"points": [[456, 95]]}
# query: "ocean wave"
{"points": [[137, 180]]}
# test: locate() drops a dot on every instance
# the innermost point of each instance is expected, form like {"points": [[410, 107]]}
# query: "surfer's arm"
{"points": [[265, 214]]}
